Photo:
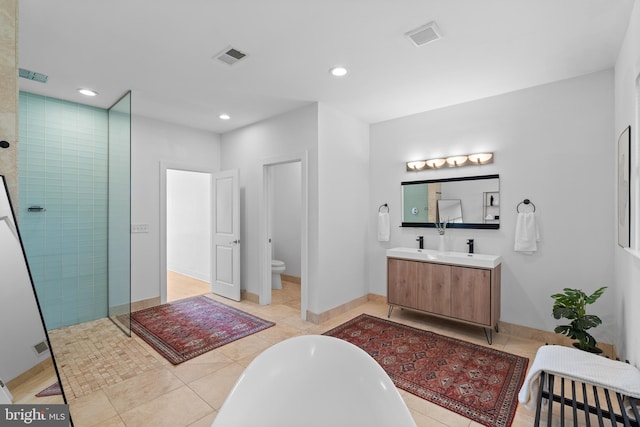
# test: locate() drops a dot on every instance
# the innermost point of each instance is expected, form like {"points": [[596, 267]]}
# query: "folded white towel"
{"points": [[527, 234], [383, 226], [582, 366]]}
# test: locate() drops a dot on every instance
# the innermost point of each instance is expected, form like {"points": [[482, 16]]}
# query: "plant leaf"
{"points": [[587, 322], [565, 330], [594, 296], [566, 312]]}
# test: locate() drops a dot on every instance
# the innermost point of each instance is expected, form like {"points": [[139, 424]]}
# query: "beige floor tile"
{"points": [[280, 332], [177, 408], [141, 388], [205, 421], [422, 420], [111, 422], [91, 410], [245, 347], [200, 366], [215, 387]]}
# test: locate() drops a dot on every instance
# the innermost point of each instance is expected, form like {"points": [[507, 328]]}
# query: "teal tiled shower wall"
{"points": [[62, 167]]}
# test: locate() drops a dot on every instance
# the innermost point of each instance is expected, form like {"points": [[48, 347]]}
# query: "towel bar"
{"points": [[579, 402]]}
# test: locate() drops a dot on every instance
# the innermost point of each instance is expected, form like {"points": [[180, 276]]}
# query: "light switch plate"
{"points": [[139, 228]]}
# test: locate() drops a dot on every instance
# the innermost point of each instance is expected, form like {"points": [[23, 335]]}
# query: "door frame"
{"points": [[264, 229], [164, 165]]}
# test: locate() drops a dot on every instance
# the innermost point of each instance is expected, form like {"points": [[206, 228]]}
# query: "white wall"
{"points": [[337, 148], [553, 144], [246, 149], [343, 207], [154, 141], [627, 262], [189, 223], [286, 215]]}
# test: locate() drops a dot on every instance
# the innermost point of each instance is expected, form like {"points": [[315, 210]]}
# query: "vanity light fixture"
{"points": [[417, 165], [457, 160], [87, 92], [436, 163], [480, 158], [452, 161]]}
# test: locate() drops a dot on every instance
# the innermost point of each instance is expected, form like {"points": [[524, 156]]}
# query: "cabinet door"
{"points": [[402, 282], [471, 294], [434, 288]]}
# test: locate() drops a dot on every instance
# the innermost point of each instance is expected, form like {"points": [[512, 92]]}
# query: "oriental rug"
{"points": [[477, 382], [52, 390], [187, 328]]}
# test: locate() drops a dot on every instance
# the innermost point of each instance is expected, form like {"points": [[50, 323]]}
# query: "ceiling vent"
{"points": [[230, 56], [426, 34], [32, 75]]}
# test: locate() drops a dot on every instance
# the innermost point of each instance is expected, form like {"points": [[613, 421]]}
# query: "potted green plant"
{"points": [[571, 304]]}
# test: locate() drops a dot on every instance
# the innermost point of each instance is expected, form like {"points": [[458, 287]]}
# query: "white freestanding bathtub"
{"points": [[314, 380]]}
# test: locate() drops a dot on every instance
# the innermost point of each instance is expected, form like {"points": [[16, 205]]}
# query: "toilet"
{"points": [[277, 268]]}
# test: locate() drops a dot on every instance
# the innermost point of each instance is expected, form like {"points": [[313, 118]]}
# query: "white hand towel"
{"points": [[582, 366], [383, 226], [527, 233]]}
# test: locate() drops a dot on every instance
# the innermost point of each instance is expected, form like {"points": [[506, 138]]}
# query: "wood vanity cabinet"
{"points": [[468, 294]]}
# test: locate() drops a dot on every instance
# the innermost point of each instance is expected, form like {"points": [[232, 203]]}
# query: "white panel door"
{"points": [[225, 252]]}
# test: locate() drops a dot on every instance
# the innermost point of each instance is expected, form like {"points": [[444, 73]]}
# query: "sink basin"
{"points": [[455, 258]]}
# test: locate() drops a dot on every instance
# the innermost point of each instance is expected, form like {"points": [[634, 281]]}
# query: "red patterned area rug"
{"points": [[477, 382], [52, 390], [184, 329]]}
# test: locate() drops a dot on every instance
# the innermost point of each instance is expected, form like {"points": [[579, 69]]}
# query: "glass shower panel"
{"points": [[119, 282]]}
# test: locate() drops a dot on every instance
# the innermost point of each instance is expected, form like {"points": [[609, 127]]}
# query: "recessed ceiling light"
{"points": [[224, 116], [87, 92], [338, 71]]}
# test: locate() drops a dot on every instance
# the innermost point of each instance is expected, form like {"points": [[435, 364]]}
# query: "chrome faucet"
{"points": [[470, 243], [420, 240]]}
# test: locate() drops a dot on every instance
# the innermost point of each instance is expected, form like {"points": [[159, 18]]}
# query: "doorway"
{"points": [[185, 234], [188, 233], [274, 200], [285, 231]]}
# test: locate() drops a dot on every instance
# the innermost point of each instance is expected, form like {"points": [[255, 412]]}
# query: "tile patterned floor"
{"points": [[112, 380]]}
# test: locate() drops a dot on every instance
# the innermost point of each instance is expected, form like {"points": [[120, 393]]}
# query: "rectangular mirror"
{"points": [[464, 202]]}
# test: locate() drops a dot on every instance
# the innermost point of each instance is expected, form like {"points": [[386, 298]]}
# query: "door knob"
{"points": [[236, 241]]}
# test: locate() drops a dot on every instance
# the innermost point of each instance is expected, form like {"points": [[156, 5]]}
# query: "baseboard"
{"points": [[250, 296], [292, 279], [46, 364], [318, 318], [144, 303], [549, 337], [190, 273]]}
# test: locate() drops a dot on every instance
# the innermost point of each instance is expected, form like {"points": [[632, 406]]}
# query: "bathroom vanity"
{"points": [[454, 285]]}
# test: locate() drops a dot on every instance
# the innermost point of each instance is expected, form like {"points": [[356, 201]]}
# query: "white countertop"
{"points": [[455, 258]]}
